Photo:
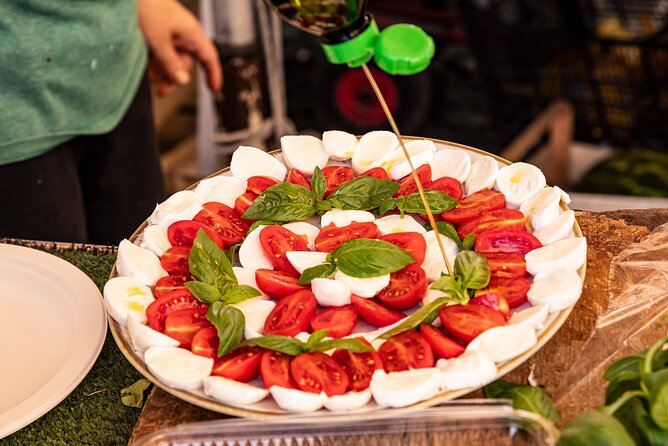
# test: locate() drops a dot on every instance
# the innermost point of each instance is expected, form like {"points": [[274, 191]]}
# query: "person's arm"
{"points": [[175, 40]]}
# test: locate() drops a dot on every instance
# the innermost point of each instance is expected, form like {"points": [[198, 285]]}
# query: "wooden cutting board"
{"points": [[607, 235]]}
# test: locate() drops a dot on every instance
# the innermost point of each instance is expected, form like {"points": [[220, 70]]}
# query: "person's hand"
{"points": [[176, 40]]}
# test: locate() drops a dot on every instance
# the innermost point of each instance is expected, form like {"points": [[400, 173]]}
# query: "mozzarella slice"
{"points": [[250, 161], [177, 367], [251, 254], [348, 401], [294, 400], [371, 147], [306, 229], [255, 312], [229, 391], [183, 205], [154, 238], [534, 317], [139, 263], [401, 389], [556, 290], [126, 297], [471, 369], [518, 181], [567, 253], [421, 152], [504, 342], [559, 229], [342, 217], [339, 145], [451, 163], [223, 189], [302, 260], [304, 153], [144, 337], [565, 198], [396, 223], [541, 208], [246, 276], [330, 293], [482, 175], [434, 264], [368, 287]]}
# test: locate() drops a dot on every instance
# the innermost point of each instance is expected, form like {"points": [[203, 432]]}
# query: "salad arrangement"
{"points": [[311, 276]]}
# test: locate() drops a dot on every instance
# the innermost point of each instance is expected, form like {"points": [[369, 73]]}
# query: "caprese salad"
{"points": [[312, 278]]}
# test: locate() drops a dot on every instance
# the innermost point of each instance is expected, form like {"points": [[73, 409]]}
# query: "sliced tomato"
{"points": [[407, 350], [507, 266], [358, 366], [374, 312], [505, 242], [466, 322], [340, 321], [259, 184], [183, 233], [243, 202], [224, 221], [277, 284], [183, 325], [276, 241], [241, 364], [296, 177], [160, 308], [448, 185], [275, 370], [292, 314], [170, 283], [376, 172], [510, 219], [407, 183], [412, 242], [441, 344], [493, 301], [175, 260], [317, 372], [407, 287], [336, 176], [514, 290], [205, 343], [475, 205], [331, 236]]}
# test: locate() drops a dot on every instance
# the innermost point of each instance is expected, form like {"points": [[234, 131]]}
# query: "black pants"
{"points": [[90, 189]]}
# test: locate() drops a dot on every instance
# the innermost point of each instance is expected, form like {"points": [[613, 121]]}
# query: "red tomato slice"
{"points": [[183, 233], [376, 172], [331, 237], [160, 308], [412, 242], [506, 242], [205, 343], [466, 322], [175, 260], [170, 283], [474, 206], [358, 366], [277, 284], [224, 221], [507, 266], [510, 219], [259, 184], [374, 312], [292, 314], [407, 287], [514, 290], [448, 185], [183, 325], [275, 370], [493, 301], [407, 350], [276, 241], [241, 364], [442, 345], [407, 183], [316, 372], [296, 177], [243, 202], [336, 176], [340, 321]]}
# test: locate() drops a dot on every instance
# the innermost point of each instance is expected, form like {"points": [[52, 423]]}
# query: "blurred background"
{"points": [[577, 87]]}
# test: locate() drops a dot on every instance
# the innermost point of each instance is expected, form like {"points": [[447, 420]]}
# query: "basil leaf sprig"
{"points": [[363, 193], [315, 343], [318, 184], [439, 202], [447, 229], [529, 398], [229, 323], [282, 202]]}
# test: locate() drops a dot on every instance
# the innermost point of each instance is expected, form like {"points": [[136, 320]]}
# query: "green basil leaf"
{"points": [[453, 287], [282, 344], [414, 320], [640, 424], [239, 293], [657, 385], [624, 381], [282, 202], [231, 251], [532, 399], [204, 292], [133, 396], [496, 388], [595, 428], [257, 223], [315, 338], [353, 345], [229, 323], [660, 360], [473, 270], [314, 272], [445, 228], [318, 184], [208, 263], [439, 202], [401, 205], [363, 193], [625, 364], [370, 258], [387, 206], [469, 242], [323, 206]]}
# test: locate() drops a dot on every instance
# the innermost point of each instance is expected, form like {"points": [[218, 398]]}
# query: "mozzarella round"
{"points": [[401, 389], [434, 264], [504, 342], [304, 153], [518, 181], [154, 238], [367, 287], [541, 208], [421, 152], [223, 189], [294, 400], [342, 217], [183, 205], [306, 229], [139, 263], [565, 198], [348, 401], [302, 260], [229, 391], [330, 293], [249, 161], [559, 229], [371, 147], [396, 223], [339, 145], [144, 337], [251, 254], [246, 276], [556, 290], [534, 317], [177, 367], [482, 175], [451, 163], [255, 312], [127, 297], [472, 369], [567, 253]]}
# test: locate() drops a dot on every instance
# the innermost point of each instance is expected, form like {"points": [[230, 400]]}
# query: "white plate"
{"points": [[52, 328]]}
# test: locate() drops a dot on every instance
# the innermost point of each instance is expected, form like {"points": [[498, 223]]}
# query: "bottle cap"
{"points": [[352, 46], [403, 49]]}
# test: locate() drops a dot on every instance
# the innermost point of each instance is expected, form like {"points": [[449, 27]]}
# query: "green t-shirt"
{"points": [[67, 68]]}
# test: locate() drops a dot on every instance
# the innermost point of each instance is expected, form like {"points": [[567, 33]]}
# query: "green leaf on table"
{"points": [[473, 270], [239, 293], [282, 202], [363, 193], [625, 364], [208, 262], [640, 424], [369, 258], [439, 202], [595, 428], [468, 243], [532, 399], [350, 344], [448, 230], [622, 382], [204, 292], [496, 388], [229, 323], [415, 319], [453, 286], [657, 385], [283, 344], [315, 272], [318, 184], [133, 395]]}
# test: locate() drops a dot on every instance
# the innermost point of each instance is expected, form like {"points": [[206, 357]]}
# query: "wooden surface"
{"points": [[607, 235]]}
